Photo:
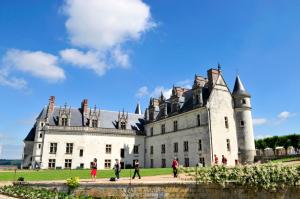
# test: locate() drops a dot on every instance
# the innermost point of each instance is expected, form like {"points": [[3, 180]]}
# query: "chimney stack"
{"points": [[51, 104], [213, 75], [84, 106]]}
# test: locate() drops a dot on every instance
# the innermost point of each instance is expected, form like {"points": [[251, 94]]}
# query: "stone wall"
{"points": [[172, 190]]}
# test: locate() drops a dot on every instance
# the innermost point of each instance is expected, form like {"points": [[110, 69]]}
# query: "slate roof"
{"points": [[186, 101], [239, 89], [108, 119], [31, 134]]}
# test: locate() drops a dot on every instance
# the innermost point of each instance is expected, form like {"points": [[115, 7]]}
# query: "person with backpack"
{"points": [[94, 169], [136, 169], [117, 168]]}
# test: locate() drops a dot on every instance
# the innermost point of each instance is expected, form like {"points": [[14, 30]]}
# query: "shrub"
{"points": [[20, 179], [73, 182], [269, 177]]}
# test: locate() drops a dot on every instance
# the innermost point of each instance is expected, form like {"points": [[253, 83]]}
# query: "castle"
{"points": [[193, 125]]}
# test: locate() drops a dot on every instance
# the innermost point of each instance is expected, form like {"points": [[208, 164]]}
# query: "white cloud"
{"points": [[103, 28], [259, 121], [35, 63], [142, 92], [285, 115], [262, 136], [156, 92], [107, 23], [89, 60], [13, 82]]}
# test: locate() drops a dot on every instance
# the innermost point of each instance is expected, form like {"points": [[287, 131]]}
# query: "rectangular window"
{"points": [[107, 164], [163, 129], [69, 148], [53, 148], [176, 147], [64, 121], [163, 163], [122, 153], [198, 120], [175, 124], [81, 165], [242, 124], [108, 148], [226, 122], [200, 145], [163, 148], [51, 164], [151, 131], [68, 163], [151, 150], [94, 123], [41, 135], [201, 161], [185, 146], [40, 146], [81, 152], [151, 163], [136, 149], [228, 144], [186, 162]]}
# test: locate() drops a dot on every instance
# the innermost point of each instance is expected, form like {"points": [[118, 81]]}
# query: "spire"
{"points": [[138, 109], [239, 88]]}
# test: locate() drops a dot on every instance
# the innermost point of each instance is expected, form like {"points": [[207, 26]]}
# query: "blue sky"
{"points": [[118, 52]]}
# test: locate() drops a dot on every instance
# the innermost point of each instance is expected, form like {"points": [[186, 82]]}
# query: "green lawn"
{"points": [[283, 160], [82, 174]]}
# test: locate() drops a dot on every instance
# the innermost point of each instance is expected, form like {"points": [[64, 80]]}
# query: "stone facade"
{"points": [[192, 125]]}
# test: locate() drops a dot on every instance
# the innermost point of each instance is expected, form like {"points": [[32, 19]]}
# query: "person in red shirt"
{"points": [[216, 159], [94, 169], [175, 165], [224, 160]]}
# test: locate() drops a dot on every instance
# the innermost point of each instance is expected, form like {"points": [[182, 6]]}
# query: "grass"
{"points": [[283, 160], [41, 175]]}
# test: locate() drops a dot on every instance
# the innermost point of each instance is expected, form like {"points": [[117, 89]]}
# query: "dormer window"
{"points": [[64, 121], [94, 123], [123, 125], [197, 99]]}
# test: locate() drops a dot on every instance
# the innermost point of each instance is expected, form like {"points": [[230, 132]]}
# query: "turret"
{"points": [[244, 124]]}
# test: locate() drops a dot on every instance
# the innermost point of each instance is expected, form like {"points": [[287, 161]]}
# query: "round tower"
{"points": [[244, 124]]}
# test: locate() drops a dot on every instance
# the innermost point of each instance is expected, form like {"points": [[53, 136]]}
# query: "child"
{"points": [[94, 169]]}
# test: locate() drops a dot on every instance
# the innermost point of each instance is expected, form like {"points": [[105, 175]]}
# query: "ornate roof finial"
{"points": [[219, 66]]}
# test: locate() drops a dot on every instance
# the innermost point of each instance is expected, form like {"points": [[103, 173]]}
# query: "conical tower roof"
{"points": [[239, 89], [138, 109]]}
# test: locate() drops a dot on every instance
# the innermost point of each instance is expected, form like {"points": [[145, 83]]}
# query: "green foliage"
{"points": [[73, 182], [30, 193], [275, 141], [269, 176]]}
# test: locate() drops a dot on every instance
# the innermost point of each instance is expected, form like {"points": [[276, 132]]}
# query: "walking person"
{"points": [[117, 168], [175, 165], [94, 169], [224, 160], [216, 159], [136, 169]]}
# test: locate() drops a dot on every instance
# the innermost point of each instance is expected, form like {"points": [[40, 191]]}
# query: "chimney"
{"points": [[51, 104], [84, 106], [213, 75]]}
